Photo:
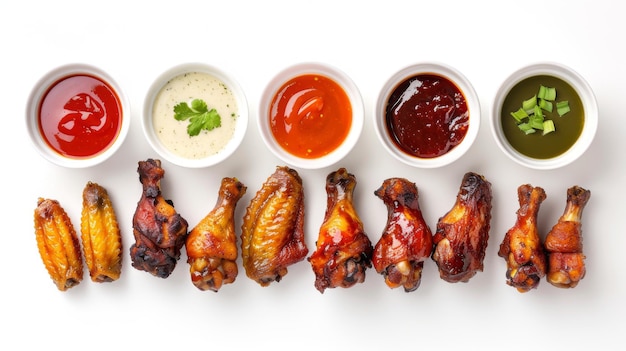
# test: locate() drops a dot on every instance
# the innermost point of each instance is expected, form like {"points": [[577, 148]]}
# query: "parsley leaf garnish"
{"points": [[200, 117]]}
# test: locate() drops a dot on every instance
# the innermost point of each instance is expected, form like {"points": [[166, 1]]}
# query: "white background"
{"points": [[253, 40]]}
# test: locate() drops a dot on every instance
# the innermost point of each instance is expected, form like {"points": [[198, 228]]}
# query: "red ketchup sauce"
{"points": [[310, 116], [80, 116], [427, 116]]}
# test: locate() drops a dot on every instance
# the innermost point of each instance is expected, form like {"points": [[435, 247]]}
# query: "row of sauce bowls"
{"points": [[310, 115]]}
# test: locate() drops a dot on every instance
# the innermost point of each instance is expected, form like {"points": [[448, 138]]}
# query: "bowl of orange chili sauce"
{"points": [[427, 115], [311, 115], [77, 116]]}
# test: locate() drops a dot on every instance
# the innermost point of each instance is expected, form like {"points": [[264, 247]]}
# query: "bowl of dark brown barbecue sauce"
{"points": [[427, 115], [568, 116], [77, 116]]}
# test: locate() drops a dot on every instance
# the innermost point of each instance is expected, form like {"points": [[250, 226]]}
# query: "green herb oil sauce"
{"points": [[568, 127]]}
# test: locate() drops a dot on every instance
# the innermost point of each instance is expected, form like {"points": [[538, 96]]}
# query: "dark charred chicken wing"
{"points": [[564, 242], [343, 251], [212, 243], [272, 234], [406, 241], [462, 234], [522, 248], [159, 231]]}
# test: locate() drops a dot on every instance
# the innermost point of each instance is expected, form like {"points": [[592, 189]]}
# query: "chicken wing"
{"points": [[344, 251], [159, 231], [100, 234], [58, 244], [564, 242], [407, 241], [212, 243], [521, 247], [272, 233], [462, 234]]}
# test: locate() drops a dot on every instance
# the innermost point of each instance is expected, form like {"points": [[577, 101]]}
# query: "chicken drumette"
{"points": [[407, 240], [462, 234], [521, 247], [159, 231], [343, 250], [564, 242], [212, 243]]}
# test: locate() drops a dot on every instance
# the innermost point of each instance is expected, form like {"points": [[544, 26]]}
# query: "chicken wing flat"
{"points": [[272, 233], [343, 250], [58, 244], [407, 241], [522, 248], [462, 234], [100, 234], [159, 231], [212, 243], [564, 242]]}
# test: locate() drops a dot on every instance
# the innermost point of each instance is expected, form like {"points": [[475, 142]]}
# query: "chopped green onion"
{"points": [[519, 115], [545, 105], [562, 107], [526, 128], [548, 126], [529, 104], [547, 93], [530, 116]]}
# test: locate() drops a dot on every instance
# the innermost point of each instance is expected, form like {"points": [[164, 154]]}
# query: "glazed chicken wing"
{"points": [[564, 242], [272, 233], [406, 241], [212, 243], [343, 250], [159, 231], [522, 248], [462, 234]]}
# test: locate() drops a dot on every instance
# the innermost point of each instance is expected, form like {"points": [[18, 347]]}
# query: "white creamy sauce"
{"points": [[173, 133]]}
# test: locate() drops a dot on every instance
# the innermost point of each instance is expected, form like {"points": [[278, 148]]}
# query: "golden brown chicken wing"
{"points": [[58, 244], [407, 241], [272, 233], [521, 247], [462, 234], [344, 251], [564, 242], [100, 234], [212, 243], [159, 231]]}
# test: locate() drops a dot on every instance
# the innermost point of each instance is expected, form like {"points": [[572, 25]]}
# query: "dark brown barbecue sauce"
{"points": [[427, 115]]}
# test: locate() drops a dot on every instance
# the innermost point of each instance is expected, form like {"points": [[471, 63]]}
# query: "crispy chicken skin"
{"points": [[343, 250], [407, 241], [58, 244], [100, 234], [212, 243], [462, 234], [272, 233], [521, 247], [159, 231], [564, 242]]}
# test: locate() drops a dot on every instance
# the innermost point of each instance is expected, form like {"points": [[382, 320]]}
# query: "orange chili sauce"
{"points": [[310, 116], [80, 116]]}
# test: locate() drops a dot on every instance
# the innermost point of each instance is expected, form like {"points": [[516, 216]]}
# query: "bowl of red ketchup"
{"points": [[77, 116], [427, 115], [311, 115]]}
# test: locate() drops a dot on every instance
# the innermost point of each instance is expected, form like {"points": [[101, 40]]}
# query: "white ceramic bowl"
{"points": [[210, 158], [353, 93], [588, 100], [37, 97], [472, 103]]}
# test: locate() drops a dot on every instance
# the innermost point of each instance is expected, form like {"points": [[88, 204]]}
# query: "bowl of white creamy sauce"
{"points": [[201, 135]]}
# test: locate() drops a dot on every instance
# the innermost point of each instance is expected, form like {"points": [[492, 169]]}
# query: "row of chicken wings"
{"points": [[273, 238]]}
